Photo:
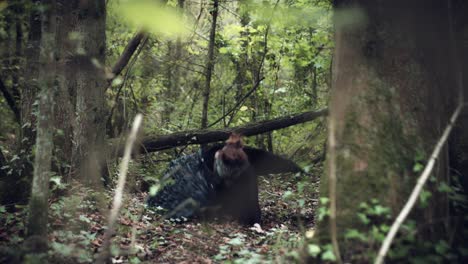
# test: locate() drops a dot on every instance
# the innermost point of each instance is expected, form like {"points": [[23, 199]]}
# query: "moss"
{"points": [[377, 153]]}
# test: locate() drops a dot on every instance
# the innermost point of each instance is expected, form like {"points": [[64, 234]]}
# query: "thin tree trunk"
{"points": [[31, 74], [38, 205], [209, 64], [16, 61]]}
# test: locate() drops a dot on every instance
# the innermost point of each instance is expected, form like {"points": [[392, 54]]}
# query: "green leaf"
{"points": [[444, 187], [60, 132], [223, 50], [364, 219], [153, 189], [237, 241], [63, 249], [424, 196], [287, 195], [323, 212], [355, 234], [313, 250], [442, 247], [57, 180], [135, 260], [380, 210], [418, 167], [152, 16], [328, 255], [85, 219], [117, 81], [324, 200]]}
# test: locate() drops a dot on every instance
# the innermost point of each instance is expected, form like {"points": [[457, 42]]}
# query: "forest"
{"points": [[233, 131]]}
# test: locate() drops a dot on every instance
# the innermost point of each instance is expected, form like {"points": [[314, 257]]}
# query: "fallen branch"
{"points": [[417, 189], [117, 203], [157, 143]]}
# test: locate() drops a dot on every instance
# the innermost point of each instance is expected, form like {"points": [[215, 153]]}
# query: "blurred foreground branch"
{"points": [[117, 203], [417, 189]]}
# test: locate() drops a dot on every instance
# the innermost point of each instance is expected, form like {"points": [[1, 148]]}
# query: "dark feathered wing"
{"points": [[265, 162], [192, 187]]}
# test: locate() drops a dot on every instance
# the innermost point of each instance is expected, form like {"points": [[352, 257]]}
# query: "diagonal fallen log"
{"points": [[162, 142]]}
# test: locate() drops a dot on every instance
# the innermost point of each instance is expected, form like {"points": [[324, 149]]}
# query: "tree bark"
{"points": [[65, 110], [209, 64], [89, 130], [392, 93], [157, 143], [31, 74], [38, 204]]}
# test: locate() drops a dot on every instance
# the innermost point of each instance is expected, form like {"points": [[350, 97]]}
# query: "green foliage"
{"points": [[409, 246], [323, 210], [152, 16]]}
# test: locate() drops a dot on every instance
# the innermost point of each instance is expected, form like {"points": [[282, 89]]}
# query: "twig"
{"points": [[240, 102], [332, 187], [117, 203], [417, 189]]}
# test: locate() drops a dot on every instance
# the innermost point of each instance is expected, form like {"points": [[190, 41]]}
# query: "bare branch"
{"points": [[417, 189], [10, 101]]}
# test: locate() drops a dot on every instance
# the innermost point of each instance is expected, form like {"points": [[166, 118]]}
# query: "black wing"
{"points": [[262, 161], [265, 162]]}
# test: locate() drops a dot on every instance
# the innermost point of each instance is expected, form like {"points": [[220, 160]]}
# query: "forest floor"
{"points": [[77, 224]]}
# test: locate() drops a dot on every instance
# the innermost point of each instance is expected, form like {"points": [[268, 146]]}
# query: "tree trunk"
{"points": [[458, 142], [392, 92], [18, 183], [31, 74], [209, 64], [65, 111], [38, 204], [89, 130]]}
